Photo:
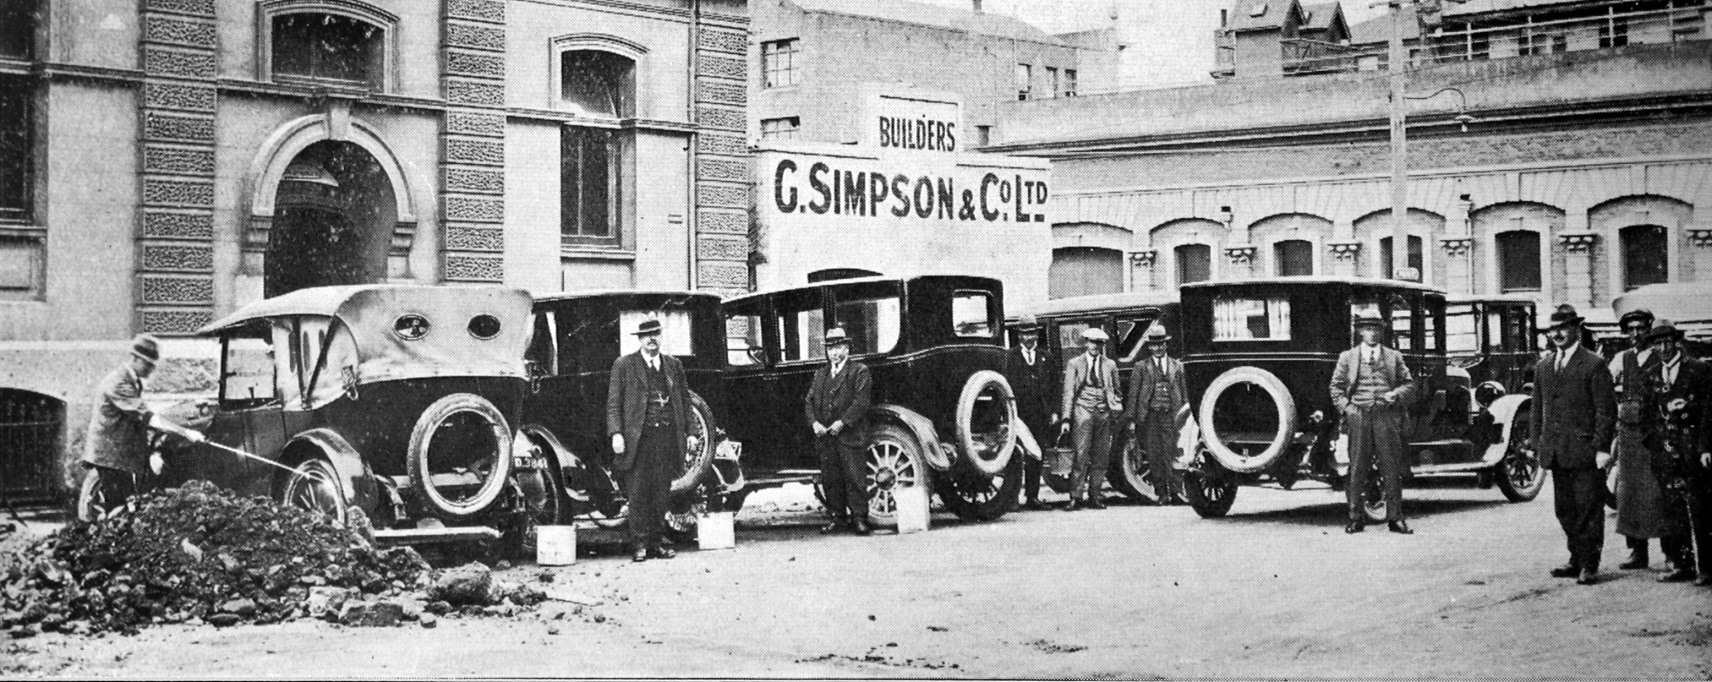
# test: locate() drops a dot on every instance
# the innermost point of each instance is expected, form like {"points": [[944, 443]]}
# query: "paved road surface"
{"points": [[1275, 589]]}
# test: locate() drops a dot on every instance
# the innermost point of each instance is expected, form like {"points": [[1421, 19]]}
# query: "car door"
{"points": [[752, 391]]}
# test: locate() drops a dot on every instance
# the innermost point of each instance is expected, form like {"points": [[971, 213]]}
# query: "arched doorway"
{"points": [[334, 216], [31, 425]]}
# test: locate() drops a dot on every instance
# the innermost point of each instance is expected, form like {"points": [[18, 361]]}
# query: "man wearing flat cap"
{"points": [[1030, 375], [1683, 465], [1156, 394], [116, 446], [1370, 388], [1092, 399], [647, 414], [837, 409], [1637, 490], [1573, 416]]}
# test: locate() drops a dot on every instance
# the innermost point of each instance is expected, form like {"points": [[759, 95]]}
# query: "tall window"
{"points": [[1614, 33], [1295, 257], [1069, 82], [1646, 255], [597, 83], [15, 147], [1051, 81], [1415, 259], [1194, 263], [1519, 261], [1024, 81], [780, 128], [778, 62], [589, 183], [17, 28], [328, 47]]}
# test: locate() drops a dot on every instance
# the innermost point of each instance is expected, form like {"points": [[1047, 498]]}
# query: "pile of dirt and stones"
{"points": [[200, 553]]}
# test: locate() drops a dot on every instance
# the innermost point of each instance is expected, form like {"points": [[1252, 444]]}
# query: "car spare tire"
{"points": [[985, 412], [460, 455], [696, 462], [1256, 378]]}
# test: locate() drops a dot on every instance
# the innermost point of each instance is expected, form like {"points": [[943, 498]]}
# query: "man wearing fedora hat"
{"points": [[1639, 511], [647, 412], [1682, 416], [837, 409], [116, 445], [1156, 394], [1574, 411], [1091, 397], [1370, 388], [1030, 375]]}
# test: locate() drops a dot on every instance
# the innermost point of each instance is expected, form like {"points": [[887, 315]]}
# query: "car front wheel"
{"points": [[1520, 476], [1210, 490], [974, 497], [314, 486], [892, 462]]}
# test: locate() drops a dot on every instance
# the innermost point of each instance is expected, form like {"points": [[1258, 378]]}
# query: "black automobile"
{"points": [[576, 338], [397, 400], [1259, 356], [1125, 318], [943, 416]]}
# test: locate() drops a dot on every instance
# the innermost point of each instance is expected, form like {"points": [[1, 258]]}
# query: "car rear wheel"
{"points": [[697, 461], [542, 497], [314, 486], [974, 497], [1210, 491], [892, 461], [460, 455], [1519, 474], [1257, 396]]}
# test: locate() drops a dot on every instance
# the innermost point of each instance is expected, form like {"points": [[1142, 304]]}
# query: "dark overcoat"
{"points": [[1574, 411], [844, 398], [627, 402], [118, 428]]}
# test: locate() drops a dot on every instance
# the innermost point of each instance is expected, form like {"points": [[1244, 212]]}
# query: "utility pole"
{"points": [[1399, 142]]}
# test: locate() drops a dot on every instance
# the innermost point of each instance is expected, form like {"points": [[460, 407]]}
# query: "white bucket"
{"points": [[912, 508], [715, 530], [555, 545]]}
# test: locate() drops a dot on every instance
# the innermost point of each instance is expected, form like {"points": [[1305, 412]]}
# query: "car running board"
{"points": [[430, 536]]}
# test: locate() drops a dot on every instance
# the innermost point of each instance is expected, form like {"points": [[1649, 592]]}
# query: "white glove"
{"points": [[1602, 459], [618, 443], [156, 463], [195, 436]]}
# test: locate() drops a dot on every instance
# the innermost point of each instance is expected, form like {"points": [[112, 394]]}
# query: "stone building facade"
{"points": [[1584, 171], [164, 162]]}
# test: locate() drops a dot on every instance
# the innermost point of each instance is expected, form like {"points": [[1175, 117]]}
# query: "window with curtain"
{"points": [[589, 185], [1251, 319], [596, 83]]}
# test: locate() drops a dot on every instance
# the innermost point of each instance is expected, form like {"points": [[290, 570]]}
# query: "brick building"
{"points": [[163, 162], [1579, 176]]}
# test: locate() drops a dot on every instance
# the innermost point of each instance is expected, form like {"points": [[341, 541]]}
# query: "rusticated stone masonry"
{"points": [[722, 157], [472, 141], [175, 253]]}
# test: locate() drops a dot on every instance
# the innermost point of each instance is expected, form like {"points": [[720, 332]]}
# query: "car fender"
{"points": [[1504, 411], [353, 473], [932, 449], [1026, 444], [555, 448]]}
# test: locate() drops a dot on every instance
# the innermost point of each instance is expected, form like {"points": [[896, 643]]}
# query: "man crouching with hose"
{"points": [[116, 448]]}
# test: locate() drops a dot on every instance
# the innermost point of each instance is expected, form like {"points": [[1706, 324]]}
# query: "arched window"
{"points": [[1646, 255], [328, 47], [1518, 261], [1194, 263], [1081, 270], [1414, 258], [597, 83], [1294, 257]]}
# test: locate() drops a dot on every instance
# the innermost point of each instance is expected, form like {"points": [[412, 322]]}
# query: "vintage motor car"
{"points": [[396, 400], [1125, 317], [576, 338], [943, 415], [1259, 356]]}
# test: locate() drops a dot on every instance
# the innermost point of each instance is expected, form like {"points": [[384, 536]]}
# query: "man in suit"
{"points": [[1031, 382], [647, 412], [1370, 387], [1156, 394], [837, 407], [1683, 415], [1091, 398], [1638, 504], [116, 444], [1573, 414]]}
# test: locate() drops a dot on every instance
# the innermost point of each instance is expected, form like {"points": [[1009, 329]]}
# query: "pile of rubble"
{"points": [[204, 554]]}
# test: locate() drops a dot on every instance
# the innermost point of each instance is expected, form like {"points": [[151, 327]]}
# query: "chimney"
{"points": [[977, 6]]}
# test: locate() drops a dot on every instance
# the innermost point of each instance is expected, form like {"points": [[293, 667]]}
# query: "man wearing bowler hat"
{"points": [[1092, 399], [837, 408], [116, 446], [1156, 394], [1573, 414], [1030, 375], [1370, 388], [647, 412]]}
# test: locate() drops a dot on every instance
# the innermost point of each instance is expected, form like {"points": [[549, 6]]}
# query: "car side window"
{"points": [[1402, 323], [247, 371], [873, 324], [744, 346], [1462, 329], [1130, 333], [1251, 319], [972, 314], [800, 335]]}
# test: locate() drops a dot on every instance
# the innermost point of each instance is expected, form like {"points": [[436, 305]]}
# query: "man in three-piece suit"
{"points": [[1371, 387], [837, 408], [1683, 463], [1091, 398], [1574, 411], [1030, 375], [647, 412], [1156, 394]]}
